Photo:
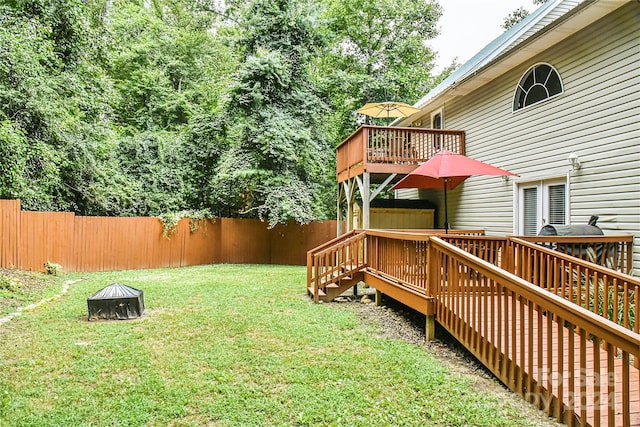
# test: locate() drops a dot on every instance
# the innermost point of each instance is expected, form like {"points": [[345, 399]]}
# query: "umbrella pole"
{"points": [[446, 210]]}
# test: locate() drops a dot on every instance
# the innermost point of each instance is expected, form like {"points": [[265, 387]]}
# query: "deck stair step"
{"points": [[333, 290], [312, 292]]}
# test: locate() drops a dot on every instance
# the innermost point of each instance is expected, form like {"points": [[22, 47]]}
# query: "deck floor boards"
{"points": [[515, 315]]}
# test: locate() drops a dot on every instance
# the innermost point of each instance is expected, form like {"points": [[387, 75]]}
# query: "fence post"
{"points": [[10, 241], [309, 269], [628, 247]]}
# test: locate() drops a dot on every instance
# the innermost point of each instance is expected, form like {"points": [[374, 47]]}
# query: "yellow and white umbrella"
{"points": [[387, 109]]}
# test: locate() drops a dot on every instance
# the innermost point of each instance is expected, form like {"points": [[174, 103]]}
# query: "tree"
{"points": [[130, 107], [277, 164], [170, 72], [518, 15], [105, 105], [34, 114], [378, 52]]}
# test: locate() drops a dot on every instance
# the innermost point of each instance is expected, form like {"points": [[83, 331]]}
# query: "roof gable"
{"points": [[546, 26]]}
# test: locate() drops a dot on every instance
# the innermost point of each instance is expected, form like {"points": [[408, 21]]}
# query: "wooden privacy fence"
{"points": [[77, 243]]}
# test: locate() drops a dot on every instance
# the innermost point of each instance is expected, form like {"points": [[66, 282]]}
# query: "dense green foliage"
{"points": [[277, 165], [378, 51], [129, 107]]}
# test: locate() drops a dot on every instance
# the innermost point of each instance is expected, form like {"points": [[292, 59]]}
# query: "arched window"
{"points": [[540, 82]]}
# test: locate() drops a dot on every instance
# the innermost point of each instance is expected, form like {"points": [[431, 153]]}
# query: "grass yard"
{"points": [[224, 345]]}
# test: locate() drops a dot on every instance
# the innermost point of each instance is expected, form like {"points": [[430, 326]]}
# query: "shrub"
{"points": [[52, 267]]}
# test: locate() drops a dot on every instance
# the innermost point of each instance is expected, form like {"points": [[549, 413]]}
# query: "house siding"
{"points": [[597, 117]]}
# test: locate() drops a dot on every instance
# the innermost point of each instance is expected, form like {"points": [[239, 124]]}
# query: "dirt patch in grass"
{"points": [[396, 321], [20, 288]]}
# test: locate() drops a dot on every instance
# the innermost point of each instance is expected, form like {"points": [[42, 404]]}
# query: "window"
{"points": [[557, 204], [542, 203], [540, 82], [436, 123], [530, 211]]}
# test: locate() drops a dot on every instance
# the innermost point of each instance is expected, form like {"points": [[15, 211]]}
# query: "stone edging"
{"points": [[19, 310]]}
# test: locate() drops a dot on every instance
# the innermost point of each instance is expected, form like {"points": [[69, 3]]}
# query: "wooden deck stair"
{"points": [[340, 285], [336, 266], [334, 290]]}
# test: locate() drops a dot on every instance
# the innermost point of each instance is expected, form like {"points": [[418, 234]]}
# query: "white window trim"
{"points": [[435, 113], [513, 97], [548, 179]]}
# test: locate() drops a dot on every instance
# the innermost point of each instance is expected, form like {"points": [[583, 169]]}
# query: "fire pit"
{"points": [[116, 302]]}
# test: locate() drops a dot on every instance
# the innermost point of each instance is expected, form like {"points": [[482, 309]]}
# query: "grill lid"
{"points": [[570, 230]]}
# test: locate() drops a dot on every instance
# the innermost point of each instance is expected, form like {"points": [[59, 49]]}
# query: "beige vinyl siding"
{"points": [[407, 193], [597, 117]]}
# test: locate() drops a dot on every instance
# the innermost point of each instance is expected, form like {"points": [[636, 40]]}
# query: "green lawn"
{"points": [[219, 346]]}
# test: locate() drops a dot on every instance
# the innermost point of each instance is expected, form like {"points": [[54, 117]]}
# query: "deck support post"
{"points": [[378, 298], [350, 196], [430, 328], [364, 187], [339, 229], [366, 202]]}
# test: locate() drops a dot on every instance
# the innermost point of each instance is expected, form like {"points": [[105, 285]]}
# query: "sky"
{"points": [[466, 26]]}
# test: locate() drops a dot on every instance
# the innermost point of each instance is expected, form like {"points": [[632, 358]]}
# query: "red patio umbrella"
{"points": [[447, 170]]}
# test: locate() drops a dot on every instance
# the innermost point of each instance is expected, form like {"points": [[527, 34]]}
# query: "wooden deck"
{"points": [[547, 333], [381, 150], [536, 350]]}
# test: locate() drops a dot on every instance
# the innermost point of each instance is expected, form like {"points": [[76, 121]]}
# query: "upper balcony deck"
{"points": [[383, 150]]}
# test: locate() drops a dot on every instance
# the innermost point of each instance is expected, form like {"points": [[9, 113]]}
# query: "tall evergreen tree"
{"points": [[277, 166]]}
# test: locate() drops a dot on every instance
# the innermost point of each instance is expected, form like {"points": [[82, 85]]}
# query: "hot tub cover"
{"points": [[116, 301]]}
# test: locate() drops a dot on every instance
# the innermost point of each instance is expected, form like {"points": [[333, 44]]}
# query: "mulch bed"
{"points": [[25, 288]]}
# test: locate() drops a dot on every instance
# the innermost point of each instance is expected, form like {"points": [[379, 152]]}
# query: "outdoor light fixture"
{"points": [[574, 161]]}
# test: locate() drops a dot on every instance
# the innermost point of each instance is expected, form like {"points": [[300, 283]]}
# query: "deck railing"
{"points": [[536, 335], [335, 260], [402, 255], [393, 145], [490, 249], [603, 291], [569, 362], [613, 252]]}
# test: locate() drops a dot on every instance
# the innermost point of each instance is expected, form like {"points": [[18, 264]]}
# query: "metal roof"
{"points": [[501, 44]]}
